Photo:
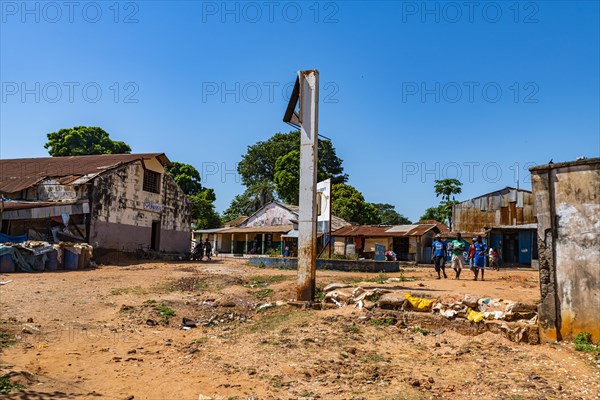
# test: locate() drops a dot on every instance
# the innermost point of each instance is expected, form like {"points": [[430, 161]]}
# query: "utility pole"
{"points": [[306, 93]]}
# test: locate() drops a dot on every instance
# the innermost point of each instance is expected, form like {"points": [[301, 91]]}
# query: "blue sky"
{"points": [[410, 91]]}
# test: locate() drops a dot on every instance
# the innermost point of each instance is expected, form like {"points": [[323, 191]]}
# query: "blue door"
{"points": [[525, 247]]}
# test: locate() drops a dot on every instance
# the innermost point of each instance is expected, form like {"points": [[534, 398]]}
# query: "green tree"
{"points": [[389, 216], [258, 164], [349, 204], [251, 200], [436, 213], [447, 188], [187, 177], [83, 140], [287, 177], [203, 210]]}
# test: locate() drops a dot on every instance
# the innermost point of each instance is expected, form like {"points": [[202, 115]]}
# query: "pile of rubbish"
{"points": [[39, 256], [472, 308]]}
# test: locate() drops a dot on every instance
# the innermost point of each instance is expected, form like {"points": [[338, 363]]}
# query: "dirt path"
{"points": [[109, 333]]}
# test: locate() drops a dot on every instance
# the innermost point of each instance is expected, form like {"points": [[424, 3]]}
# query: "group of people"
{"points": [[477, 255], [202, 249]]}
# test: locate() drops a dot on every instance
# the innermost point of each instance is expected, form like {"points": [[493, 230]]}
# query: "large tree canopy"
{"points": [[83, 140], [349, 204], [287, 177], [186, 176], [251, 200], [259, 162]]}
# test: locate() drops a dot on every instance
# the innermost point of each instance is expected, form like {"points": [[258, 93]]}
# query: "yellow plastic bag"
{"points": [[420, 303], [474, 316]]}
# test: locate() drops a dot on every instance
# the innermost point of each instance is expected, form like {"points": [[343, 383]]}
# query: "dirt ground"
{"points": [[115, 332]]}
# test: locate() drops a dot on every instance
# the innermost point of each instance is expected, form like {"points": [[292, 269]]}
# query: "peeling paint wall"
{"points": [[272, 215], [123, 213], [567, 200]]}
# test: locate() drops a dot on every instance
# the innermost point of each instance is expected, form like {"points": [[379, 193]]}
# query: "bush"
{"points": [[273, 252], [583, 342]]}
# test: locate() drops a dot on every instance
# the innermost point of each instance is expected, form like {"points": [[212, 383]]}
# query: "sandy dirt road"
{"points": [[114, 332]]}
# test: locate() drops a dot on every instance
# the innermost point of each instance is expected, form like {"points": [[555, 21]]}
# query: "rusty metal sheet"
{"points": [[22, 173]]}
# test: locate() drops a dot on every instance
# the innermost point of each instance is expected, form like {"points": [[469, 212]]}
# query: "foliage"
{"points": [[436, 213], [389, 216], [186, 176], [83, 140], [444, 188], [251, 200], [349, 204], [273, 252], [6, 386], [258, 164], [287, 177], [583, 342], [203, 210], [202, 199]]}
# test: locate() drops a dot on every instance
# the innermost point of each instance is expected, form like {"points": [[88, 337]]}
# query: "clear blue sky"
{"points": [[408, 94]]}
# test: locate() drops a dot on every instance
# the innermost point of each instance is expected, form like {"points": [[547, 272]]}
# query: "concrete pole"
{"points": [[307, 219]]}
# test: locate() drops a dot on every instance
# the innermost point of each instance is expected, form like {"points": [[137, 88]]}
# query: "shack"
{"points": [[409, 242], [567, 200], [506, 220], [122, 202]]}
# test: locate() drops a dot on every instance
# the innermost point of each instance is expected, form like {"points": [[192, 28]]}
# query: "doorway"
{"points": [[155, 238]]}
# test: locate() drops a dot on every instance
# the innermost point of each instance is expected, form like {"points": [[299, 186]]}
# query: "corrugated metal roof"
{"points": [[420, 230], [236, 221], [23, 205], [21, 173], [363, 230], [385, 231]]}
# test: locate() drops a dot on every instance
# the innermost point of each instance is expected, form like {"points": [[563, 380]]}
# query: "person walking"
{"points": [[458, 259], [207, 249], [439, 256], [493, 256], [479, 252]]}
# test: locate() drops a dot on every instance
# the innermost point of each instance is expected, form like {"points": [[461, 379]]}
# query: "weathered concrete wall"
{"points": [[121, 209], [338, 265], [567, 199], [272, 215]]}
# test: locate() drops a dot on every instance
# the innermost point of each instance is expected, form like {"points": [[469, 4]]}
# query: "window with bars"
{"points": [[151, 181]]}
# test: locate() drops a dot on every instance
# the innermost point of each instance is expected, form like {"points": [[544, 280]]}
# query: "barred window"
{"points": [[151, 181]]}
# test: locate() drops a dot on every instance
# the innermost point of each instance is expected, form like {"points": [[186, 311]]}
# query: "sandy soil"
{"points": [[110, 333]]}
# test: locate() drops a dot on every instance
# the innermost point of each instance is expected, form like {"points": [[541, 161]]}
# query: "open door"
{"points": [[155, 239]]}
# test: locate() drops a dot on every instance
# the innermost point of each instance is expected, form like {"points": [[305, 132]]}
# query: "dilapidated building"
{"points": [[506, 218], [567, 200], [114, 201], [508, 206]]}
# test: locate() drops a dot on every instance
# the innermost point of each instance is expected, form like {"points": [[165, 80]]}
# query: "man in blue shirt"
{"points": [[479, 257], [439, 256]]}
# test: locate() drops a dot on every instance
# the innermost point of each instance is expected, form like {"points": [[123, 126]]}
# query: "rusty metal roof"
{"points": [[442, 227], [22, 173], [23, 205], [385, 231]]}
